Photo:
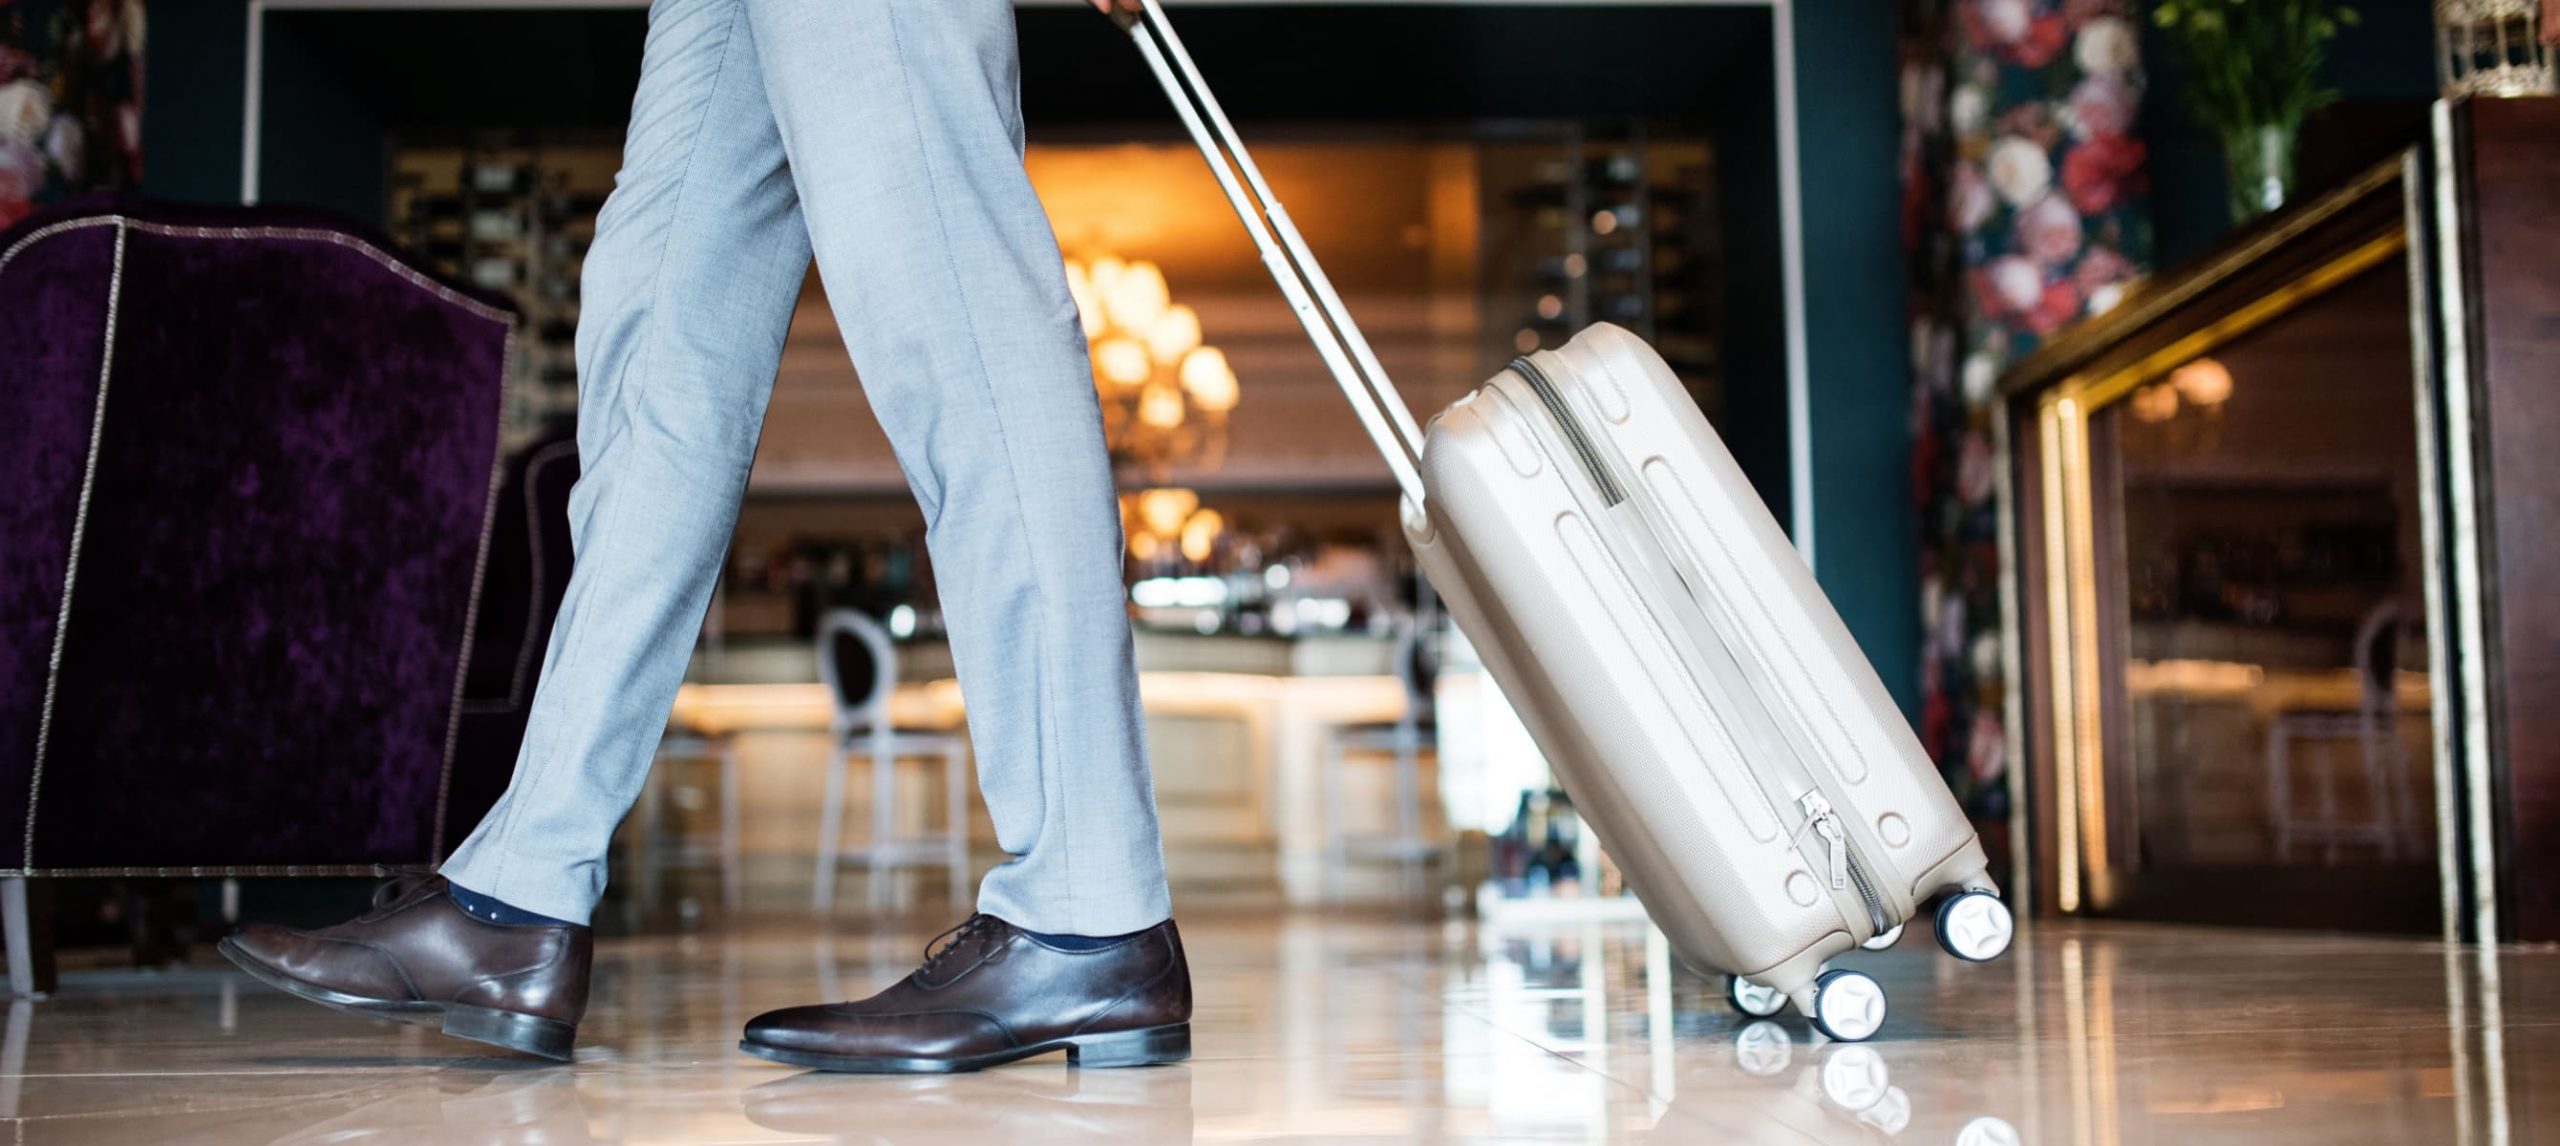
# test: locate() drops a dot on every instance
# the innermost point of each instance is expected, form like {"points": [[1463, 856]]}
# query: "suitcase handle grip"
{"points": [[1284, 252]]}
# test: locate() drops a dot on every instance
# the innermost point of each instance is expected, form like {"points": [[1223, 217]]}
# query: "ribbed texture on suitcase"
{"points": [[1658, 759]]}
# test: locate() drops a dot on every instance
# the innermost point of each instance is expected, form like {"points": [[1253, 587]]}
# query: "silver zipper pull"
{"points": [[1822, 819]]}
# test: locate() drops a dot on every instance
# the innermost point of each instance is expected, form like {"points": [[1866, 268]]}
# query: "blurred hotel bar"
{"points": [[2192, 500]]}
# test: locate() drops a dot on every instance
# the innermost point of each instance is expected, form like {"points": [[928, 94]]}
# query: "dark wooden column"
{"points": [[2512, 148]]}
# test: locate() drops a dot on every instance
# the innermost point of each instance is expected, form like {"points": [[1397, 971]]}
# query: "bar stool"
{"points": [[656, 852], [1417, 667], [860, 667], [2374, 730]]}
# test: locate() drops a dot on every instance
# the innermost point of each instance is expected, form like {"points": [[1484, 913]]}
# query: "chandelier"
{"points": [[1165, 397], [1162, 522], [1165, 401]]}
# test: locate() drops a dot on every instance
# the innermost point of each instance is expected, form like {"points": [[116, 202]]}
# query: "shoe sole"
{"points": [[1150, 1046], [525, 1034]]}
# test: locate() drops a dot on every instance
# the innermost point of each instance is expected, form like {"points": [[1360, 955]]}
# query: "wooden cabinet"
{"points": [[2283, 561]]}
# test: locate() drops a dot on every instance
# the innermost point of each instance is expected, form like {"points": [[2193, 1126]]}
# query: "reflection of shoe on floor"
{"points": [[537, 1108], [422, 959], [1115, 1108], [531, 1107], [993, 993]]}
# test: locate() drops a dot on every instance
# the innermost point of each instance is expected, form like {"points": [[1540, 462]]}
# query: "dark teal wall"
{"points": [[1865, 552], [191, 119], [191, 123], [2388, 58]]}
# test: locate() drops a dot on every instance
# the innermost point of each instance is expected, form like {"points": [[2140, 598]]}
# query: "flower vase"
{"points": [[2259, 162]]}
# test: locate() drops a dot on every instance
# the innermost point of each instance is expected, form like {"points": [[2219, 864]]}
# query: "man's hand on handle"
{"points": [[1122, 12]]}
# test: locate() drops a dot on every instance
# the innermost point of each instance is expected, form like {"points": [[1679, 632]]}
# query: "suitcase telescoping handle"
{"points": [[1382, 412]]}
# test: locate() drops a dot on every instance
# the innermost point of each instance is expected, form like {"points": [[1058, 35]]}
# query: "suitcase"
{"points": [[1688, 682]]}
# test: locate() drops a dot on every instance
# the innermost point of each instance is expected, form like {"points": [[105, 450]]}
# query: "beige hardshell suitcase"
{"points": [[1689, 683]]}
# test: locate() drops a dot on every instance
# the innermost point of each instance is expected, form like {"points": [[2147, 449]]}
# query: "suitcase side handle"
{"points": [[1302, 281]]}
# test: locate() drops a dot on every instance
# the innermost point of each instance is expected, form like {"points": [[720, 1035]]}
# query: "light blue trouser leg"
{"points": [[893, 126]]}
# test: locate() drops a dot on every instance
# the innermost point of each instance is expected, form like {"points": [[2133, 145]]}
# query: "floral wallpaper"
{"points": [[2023, 209], [70, 100]]}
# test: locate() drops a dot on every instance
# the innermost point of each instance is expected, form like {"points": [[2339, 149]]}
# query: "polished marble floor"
{"points": [[1370, 1030]]}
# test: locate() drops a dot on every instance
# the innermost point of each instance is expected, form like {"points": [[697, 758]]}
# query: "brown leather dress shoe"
{"points": [[421, 959], [992, 994]]}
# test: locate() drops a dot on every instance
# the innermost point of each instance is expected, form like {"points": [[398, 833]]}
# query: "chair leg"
{"points": [[1409, 806], [955, 784], [2328, 790], [732, 873], [2280, 790], [2405, 814], [2379, 796], [822, 896], [884, 816], [13, 1058], [649, 857], [1337, 850], [21, 940]]}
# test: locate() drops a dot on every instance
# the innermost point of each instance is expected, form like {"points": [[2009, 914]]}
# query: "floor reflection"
{"points": [[1333, 1029]]}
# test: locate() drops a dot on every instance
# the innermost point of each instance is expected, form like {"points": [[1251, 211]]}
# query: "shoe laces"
{"points": [[942, 948], [397, 888]]}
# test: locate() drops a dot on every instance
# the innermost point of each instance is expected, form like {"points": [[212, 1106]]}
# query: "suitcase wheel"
{"points": [[1975, 926], [1753, 999], [1884, 939], [1763, 1048], [1855, 1079], [1848, 1006], [1988, 1130]]}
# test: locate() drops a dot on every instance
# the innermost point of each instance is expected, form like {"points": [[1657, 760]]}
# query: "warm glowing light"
{"points": [[1088, 304], [1145, 546], [1165, 394], [1200, 534], [2203, 382], [1123, 361], [1160, 405], [1175, 334], [1550, 307], [1604, 223], [2155, 403], [1106, 275], [1163, 511], [1136, 297], [1211, 382]]}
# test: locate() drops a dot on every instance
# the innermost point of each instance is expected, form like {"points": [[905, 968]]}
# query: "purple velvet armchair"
{"points": [[249, 477]]}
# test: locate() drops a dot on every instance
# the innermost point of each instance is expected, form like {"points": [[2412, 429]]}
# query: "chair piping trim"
{"points": [[471, 611], [218, 871], [540, 613], [79, 529]]}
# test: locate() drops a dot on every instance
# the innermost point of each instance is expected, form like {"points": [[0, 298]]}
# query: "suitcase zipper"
{"points": [[1553, 399], [1845, 870]]}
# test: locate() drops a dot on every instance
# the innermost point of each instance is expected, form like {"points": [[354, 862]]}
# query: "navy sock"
{"points": [[495, 910], [1076, 942]]}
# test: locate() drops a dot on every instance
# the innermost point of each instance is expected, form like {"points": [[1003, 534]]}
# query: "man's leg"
{"points": [[905, 140], [906, 143], [688, 289]]}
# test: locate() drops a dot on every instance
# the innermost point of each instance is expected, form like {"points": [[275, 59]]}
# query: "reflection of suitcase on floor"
{"points": [[1689, 683]]}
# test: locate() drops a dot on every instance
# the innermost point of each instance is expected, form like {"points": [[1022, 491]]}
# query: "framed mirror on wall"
{"points": [[2283, 556], [2227, 521]]}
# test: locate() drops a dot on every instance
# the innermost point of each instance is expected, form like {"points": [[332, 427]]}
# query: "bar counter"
{"points": [[1236, 727]]}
